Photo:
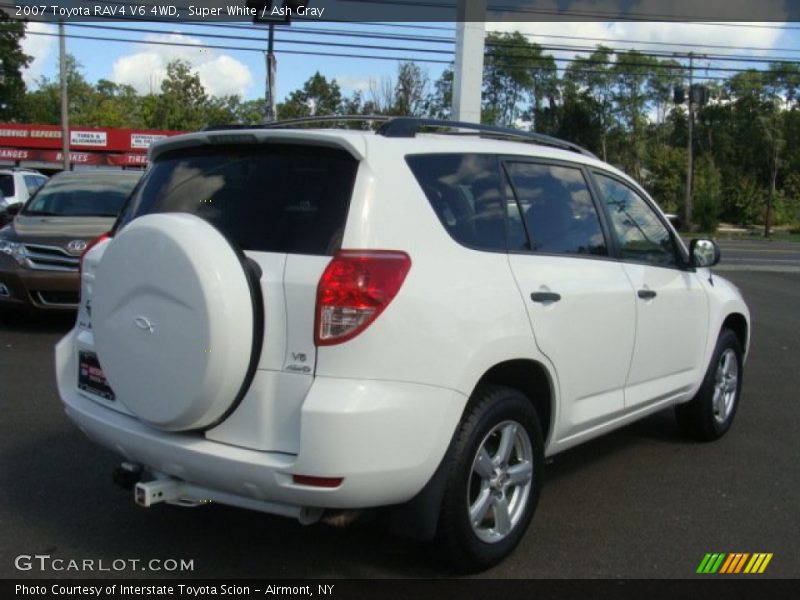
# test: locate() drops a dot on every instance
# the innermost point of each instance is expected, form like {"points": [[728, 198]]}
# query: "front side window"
{"points": [[557, 209], [470, 197], [641, 235]]}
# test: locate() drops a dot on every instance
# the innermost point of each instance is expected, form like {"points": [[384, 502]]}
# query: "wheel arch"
{"points": [[419, 518], [533, 380], [737, 323]]}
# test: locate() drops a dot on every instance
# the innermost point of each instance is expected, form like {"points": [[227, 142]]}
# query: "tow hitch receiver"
{"points": [[159, 490]]}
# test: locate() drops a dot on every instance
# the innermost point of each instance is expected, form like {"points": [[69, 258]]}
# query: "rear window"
{"points": [[275, 198], [86, 195], [7, 185]]}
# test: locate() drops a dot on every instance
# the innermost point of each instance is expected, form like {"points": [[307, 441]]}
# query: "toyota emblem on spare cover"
{"points": [[76, 246]]}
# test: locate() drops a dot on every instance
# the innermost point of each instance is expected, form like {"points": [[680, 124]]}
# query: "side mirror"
{"points": [[13, 209], [704, 253]]}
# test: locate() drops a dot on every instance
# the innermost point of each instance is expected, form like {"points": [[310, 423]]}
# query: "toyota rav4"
{"points": [[298, 321]]}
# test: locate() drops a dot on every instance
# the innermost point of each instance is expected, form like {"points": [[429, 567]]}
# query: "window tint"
{"points": [[557, 208], [468, 195], [7, 185], [272, 198], [640, 233], [82, 196]]}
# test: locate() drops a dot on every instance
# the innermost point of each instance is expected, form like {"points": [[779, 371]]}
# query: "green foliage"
{"points": [[410, 90], [12, 61], [182, 103], [617, 104], [706, 193], [318, 97], [666, 181]]}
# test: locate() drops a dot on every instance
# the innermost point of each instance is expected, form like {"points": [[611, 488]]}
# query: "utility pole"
{"points": [[272, 65], [689, 151], [62, 62], [468, 75]]}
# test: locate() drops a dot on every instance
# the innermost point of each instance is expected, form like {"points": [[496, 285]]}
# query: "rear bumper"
{"points": [[43, 290], [385, 439]]}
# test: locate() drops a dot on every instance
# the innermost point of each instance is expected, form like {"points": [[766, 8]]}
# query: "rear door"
{"points": [[579, 300], [284, 205], [671, 305]]}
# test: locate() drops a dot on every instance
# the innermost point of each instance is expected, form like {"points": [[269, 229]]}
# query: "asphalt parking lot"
{"points": [[640, 503]]}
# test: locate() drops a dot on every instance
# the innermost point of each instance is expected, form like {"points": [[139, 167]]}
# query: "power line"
{"points": [[242, 48], [668, 44]]}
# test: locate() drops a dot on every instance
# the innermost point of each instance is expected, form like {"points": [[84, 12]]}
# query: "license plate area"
{"points": [[91, 378]]}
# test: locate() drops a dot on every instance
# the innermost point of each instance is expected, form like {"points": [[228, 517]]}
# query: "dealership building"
{"points": [[40, 146]]}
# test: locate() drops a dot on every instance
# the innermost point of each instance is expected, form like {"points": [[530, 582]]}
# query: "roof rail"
{"points": [[289, 123], [410, 126], [407, 127]]}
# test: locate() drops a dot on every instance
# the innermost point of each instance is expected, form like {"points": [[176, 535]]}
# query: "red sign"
{"points": [[78, 158], [109, 139]]}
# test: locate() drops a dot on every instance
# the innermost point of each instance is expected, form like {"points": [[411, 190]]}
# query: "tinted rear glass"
{"points": [[82, 196], [7, 185], [276, 198]]}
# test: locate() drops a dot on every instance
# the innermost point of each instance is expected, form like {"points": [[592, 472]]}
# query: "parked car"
{"points": [[41, 248], [16, 186], [306, 321]]}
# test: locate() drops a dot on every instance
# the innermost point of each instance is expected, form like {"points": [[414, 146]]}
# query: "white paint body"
{"points": [[379, 410]]}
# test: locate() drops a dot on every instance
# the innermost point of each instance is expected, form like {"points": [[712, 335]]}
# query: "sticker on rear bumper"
{"points": [[91, 378]]}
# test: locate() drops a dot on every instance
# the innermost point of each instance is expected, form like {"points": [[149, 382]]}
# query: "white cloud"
{"points": [[220, 74], [40, 47]]}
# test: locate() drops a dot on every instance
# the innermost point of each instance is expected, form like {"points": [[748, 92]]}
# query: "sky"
{"points": [[234, 71]]}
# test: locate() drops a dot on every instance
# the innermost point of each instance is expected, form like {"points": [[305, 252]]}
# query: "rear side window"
{"points": [[7, 185], [557, 208], [276, 198], [468, 195], [33, 183]]}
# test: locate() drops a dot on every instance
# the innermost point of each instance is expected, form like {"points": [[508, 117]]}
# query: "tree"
{"points": [[182, 104], [707, 186], [12, 61], [114, 105], [440, 100], [43, 105], [317, 97], [632, 71], [594, 78], [410, 90], [507, 80]]}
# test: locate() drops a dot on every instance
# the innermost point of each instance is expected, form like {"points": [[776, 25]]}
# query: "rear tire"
{"points": [[493, 479], [709, 415]]}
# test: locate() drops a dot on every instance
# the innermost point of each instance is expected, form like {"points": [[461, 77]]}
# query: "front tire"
{"points": [[493, 480], [709, 415]]}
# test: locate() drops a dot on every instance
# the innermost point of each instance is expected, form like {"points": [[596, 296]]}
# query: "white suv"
{"points": [[17, 185], [298, 321]]}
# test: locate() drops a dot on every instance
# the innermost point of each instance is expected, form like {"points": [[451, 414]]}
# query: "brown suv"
{"points": [[41, 248]]}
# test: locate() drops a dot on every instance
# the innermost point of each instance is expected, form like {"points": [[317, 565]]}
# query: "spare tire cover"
{"points": [[173, 322]]}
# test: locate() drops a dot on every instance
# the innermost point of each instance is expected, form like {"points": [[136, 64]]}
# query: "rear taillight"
{"points": [[355, 288], [92, 244]]}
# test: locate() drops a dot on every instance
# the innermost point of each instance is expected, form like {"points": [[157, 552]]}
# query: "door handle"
{"points": [[545, 297], [646, 294]]}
